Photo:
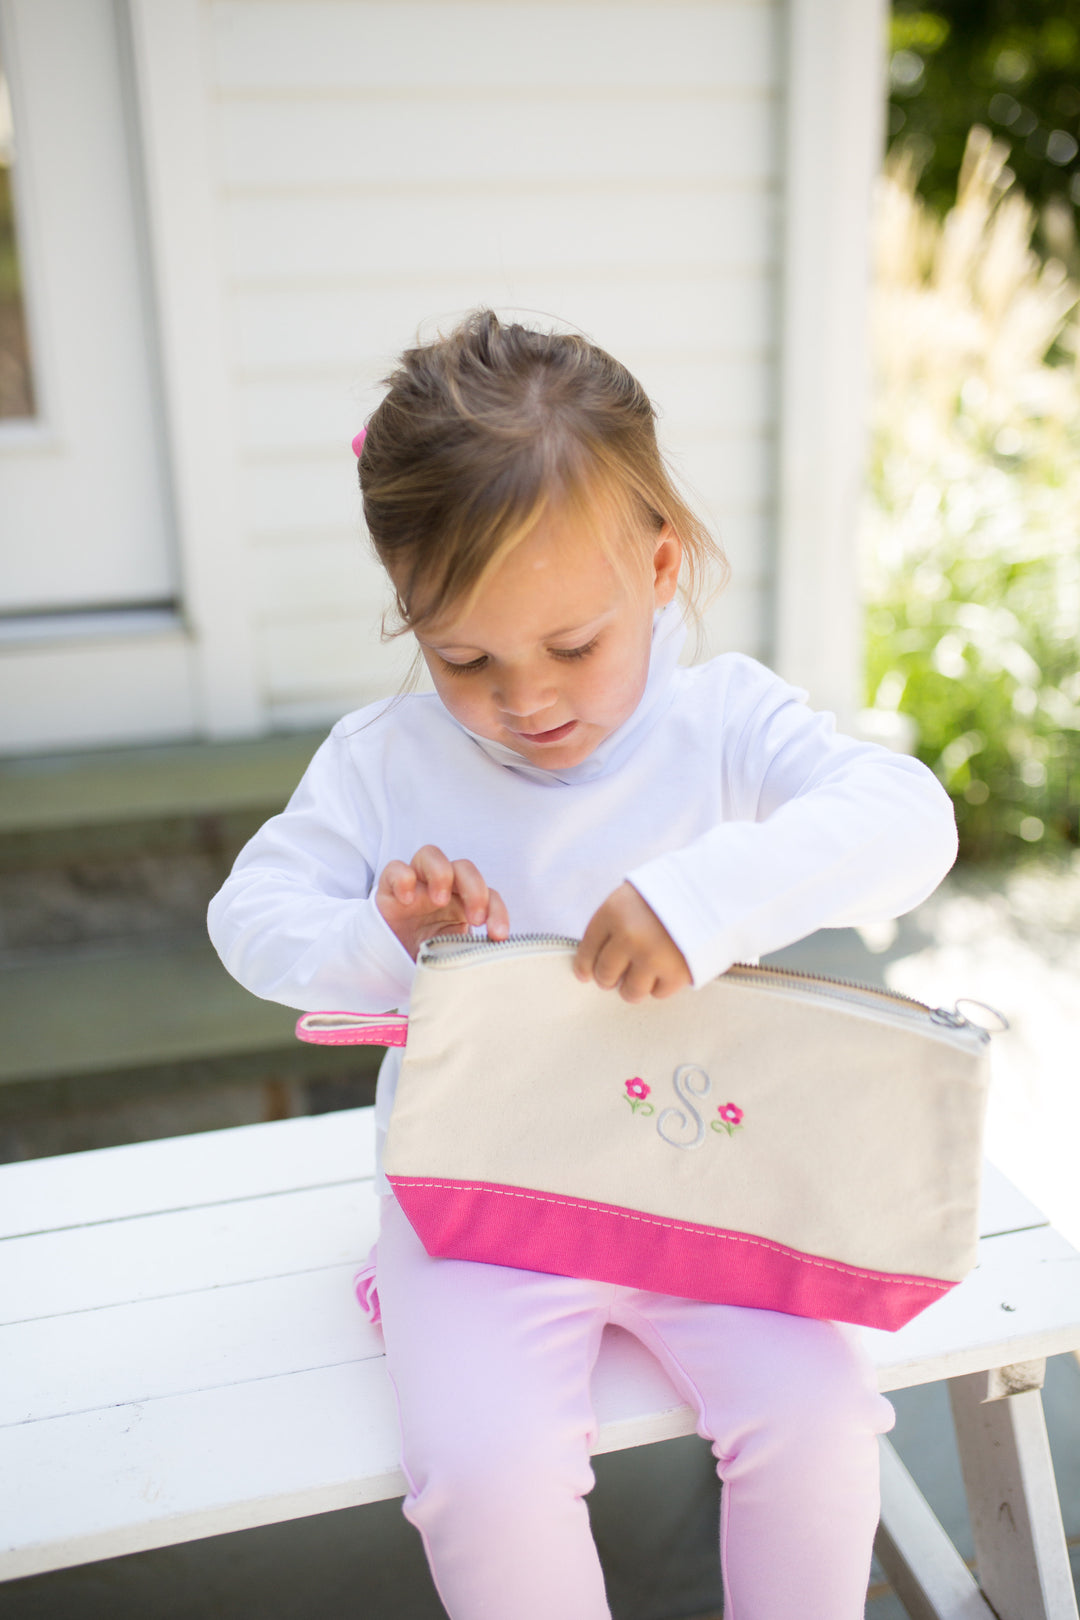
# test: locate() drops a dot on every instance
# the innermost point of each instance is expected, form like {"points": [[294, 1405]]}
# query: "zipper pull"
{"points": [[952, 1020], [1000, 1022], [955, 1019]]}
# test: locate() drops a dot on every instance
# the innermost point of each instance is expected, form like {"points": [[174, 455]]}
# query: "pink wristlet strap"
{"points": [[352, 1029]]}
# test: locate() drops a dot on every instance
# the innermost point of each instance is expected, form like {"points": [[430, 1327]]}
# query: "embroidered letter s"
{"points": [[676, 1120]]}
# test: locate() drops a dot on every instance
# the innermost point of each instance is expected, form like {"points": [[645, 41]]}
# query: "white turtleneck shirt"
{"points": [[739, 815]]}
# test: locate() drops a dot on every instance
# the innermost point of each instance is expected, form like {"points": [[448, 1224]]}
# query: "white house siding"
{"points": [[384, 165]]}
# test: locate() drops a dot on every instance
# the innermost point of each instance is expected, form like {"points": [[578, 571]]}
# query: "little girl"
{"points": [[568, 777]]}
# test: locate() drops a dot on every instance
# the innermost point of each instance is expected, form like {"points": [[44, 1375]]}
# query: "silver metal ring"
{"points": [[1001, 1023]]}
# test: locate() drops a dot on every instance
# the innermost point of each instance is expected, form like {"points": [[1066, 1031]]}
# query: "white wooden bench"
{"points": [[182, 1356]]}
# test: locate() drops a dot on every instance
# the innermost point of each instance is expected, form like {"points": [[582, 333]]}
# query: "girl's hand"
{"points": [[432, 895], [627, 945]]}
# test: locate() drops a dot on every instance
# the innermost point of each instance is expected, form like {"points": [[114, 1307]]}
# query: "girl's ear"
{"points": [[667, 559]]}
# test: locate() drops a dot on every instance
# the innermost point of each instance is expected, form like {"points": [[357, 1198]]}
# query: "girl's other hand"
{"points": [[627, 945], [433, 895]]}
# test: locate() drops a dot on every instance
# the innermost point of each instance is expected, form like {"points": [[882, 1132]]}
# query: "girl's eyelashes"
{"points": [[575, 652], [563, 653], [464, 669]]}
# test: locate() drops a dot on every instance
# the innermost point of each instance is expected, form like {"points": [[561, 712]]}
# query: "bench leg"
{"points": [[1020, 1553], [924, 1568]]}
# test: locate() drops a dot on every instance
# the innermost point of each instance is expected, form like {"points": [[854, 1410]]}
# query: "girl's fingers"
{"points": [[482, 905], [587, 952], [498, 918], [637, 983], [612, 961], [398, 882], [627, 945], [458, 884], [435, 871], [470, 887]]}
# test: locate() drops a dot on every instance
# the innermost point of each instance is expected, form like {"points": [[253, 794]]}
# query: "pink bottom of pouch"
{"points": [[572, 1237]]}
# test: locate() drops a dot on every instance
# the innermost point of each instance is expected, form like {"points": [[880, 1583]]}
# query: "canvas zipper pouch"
{"points": [[771, 1139]]}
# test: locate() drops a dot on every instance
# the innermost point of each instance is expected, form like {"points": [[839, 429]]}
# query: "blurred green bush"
{"points": [[1013, 65], [973, 521]]}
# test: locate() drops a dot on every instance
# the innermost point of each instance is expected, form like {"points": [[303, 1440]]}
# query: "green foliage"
{"points": [[976, 642], [973, 525], [925, 31], [10, 287], [1013, 65]]}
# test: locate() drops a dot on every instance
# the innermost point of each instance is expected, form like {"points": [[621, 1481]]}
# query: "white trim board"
{"points": [[832, 146], [173, 77], [111, 689]]}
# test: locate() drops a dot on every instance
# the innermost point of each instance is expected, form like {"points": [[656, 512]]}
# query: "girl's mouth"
{"points": [[556, 734]]}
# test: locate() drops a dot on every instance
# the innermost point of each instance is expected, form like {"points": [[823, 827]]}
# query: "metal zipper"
{"points": [[869, 995], [441, 951], [444, 948], [852, 987]]}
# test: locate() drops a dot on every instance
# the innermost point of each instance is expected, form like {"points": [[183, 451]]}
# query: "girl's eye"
{"points": [[465, 669], [564, 653], [575, 652]]}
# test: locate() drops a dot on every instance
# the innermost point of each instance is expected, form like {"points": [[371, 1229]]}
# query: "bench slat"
{"points": [[233, 1334], [229, 1336], [245, 1161], [99, 1484], [164, 1347], [120, 1262], [1003, 1207], [126, 1478], [1035, 1272]]}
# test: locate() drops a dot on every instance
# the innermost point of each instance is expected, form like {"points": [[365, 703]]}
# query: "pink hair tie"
{"points": [[358, 442]]}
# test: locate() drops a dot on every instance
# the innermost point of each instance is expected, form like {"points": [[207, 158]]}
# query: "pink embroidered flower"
{"points": [[637, 1088], [730, 1113]]}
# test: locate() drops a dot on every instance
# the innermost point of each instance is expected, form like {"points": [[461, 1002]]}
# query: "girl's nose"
{"points": [[522, 694]]}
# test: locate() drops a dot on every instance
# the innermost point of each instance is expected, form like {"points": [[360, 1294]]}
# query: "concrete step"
{"points": [[126, 785], [107, 862], [119, 1045], [118, 1021], [85, 1013], [74, 806]]}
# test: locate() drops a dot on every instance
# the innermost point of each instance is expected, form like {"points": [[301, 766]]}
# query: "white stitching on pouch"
{"points": [[675, 1226]]}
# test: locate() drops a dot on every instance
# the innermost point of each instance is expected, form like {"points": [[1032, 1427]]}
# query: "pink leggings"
{"points": [[491, 1368]]}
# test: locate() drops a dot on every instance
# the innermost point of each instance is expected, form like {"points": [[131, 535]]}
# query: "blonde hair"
{"points": [[485, 430]]}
